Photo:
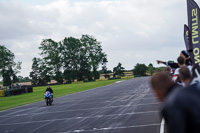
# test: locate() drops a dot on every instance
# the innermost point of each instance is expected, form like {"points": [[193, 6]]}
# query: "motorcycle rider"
{"points": [[50, 90]]}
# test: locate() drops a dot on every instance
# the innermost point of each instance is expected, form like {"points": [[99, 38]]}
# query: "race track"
{"points": [[124, 107]]}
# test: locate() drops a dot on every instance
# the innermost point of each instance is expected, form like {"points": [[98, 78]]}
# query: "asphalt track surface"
{"points": [[124, 107]]}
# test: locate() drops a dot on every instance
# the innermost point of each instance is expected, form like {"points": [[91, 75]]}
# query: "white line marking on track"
{"points": [[162, 126], [110, 101], [87, 90], [40, 127], [118, 82], [132, 94], [17, 111], [95, 116], [8, 131], [111, 128], [77, 131], [106, 107]]}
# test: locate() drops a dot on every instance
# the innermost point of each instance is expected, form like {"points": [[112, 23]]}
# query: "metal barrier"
{"points": [[2, 93]]}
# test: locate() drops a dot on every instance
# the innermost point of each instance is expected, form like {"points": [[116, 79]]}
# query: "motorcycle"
{"points": [[48, 98]]}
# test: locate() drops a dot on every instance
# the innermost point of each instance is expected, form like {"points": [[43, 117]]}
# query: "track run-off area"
{"points": [[123, 107]]}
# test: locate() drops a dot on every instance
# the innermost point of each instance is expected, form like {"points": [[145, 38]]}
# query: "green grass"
{"points": [[59, 90]]}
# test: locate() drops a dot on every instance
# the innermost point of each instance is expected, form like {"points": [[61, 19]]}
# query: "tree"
{"points": [[70, 74], [25, 79], [52, 59], [6, 77], [85, 71], [72, 53], [73, 58], [45, 73], [151, 69], [119, 70], [40, 72], [105, 69], [58, 77], [9, 76], [94, 53], [6, 58], [15, 69], [8, 67], [140, 69], [20, 78], [15, 78], [35, 71]]}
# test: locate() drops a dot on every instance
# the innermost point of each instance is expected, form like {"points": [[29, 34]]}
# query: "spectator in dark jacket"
{"points": [[181, 63], [184, 54], [181, 106]]}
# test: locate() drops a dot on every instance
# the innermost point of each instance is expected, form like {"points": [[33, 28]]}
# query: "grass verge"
{"points": [[59, 90]]}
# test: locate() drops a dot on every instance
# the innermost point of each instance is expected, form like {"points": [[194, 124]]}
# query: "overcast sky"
{"points": [[131, 31]]}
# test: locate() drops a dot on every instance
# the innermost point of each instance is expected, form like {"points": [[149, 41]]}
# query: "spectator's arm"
{"points": [[159, 61]]}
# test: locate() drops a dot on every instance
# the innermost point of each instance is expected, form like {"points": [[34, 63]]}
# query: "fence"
{"points": [[16, 91]]}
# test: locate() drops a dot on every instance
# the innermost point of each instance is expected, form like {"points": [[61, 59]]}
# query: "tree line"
{"points": [[8, 67], [69, 59], [64, 61]]}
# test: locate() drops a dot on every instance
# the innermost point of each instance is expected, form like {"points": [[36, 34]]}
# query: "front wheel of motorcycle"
{"points": [[47, 102]]}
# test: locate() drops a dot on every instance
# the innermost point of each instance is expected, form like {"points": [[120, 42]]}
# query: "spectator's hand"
{"points": [[158, 61]]}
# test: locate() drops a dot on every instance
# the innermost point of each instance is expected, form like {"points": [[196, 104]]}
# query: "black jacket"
{"points": [[188, 62], [49, 89], [181, 110]]}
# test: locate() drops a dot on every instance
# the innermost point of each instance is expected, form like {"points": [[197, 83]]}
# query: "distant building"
{"points": [[110, 75], [128, 73]]}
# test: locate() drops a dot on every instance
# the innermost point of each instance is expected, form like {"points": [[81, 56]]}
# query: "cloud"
{"points": [[131, 31]]}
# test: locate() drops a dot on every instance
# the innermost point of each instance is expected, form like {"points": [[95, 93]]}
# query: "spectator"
{"points": [[181, 107], [185, 76], [186, 57], [196, 74], [161, 83], [167, 70], [181, 63]]}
